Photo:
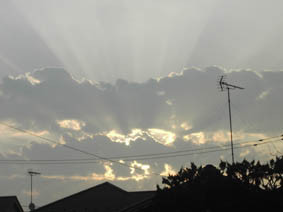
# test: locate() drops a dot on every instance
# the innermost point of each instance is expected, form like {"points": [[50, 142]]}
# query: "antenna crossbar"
{"points": [[32, 173], [231, 86], [226, 86]]}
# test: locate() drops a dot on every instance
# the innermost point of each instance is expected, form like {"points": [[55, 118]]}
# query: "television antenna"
{"points": [[224, 86], [32, 173]]}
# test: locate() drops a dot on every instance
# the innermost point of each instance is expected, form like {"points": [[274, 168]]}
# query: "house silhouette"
{"points": [[104, 197], [10, 204]]}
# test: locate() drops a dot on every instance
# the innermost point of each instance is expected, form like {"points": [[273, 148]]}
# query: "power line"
{"points": [[129, 157], [104, 158], [199, 153], [73, 148], [154, 157], [152, 154]]}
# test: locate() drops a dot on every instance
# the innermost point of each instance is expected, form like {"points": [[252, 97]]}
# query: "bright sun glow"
{"points": [[162, 136], [196, 138], [168, 170], [71, 124], [126, 139], [109, 174]]}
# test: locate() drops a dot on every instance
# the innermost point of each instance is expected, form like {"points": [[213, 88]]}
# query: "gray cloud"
{"points": [[191, 96], [39, 100], [103, 106], [118, 47]]}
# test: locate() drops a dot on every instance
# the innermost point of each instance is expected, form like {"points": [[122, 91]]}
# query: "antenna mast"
{"points": [[32, 173], [226, 86]]}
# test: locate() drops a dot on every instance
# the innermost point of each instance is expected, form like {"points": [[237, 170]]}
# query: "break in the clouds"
{"points": [[105, 40], [181, 111], [121, 91], [182, 105]]}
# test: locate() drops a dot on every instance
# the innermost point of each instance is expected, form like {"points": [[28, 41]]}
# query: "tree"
{"points": [[235, 187]]}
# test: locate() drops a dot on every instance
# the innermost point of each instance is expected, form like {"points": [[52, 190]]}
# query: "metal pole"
{"points": [[31, 188], [231, 131], [31, 173]]}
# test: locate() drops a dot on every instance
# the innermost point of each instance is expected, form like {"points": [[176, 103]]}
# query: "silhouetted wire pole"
{"points": [[225, 86], [230, 120], [31, 173]]}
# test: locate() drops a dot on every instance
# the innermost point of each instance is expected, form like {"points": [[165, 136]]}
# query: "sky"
{"points": [[102, 90]]}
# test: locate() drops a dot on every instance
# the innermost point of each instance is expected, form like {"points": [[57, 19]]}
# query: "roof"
{"points": [[139, 206], [103, 197], [10, 203]]}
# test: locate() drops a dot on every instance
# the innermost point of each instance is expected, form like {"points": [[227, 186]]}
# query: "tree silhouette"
{"points": [[267, 176], [242, 186]]}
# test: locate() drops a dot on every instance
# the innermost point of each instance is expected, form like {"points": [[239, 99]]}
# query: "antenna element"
{"points": [[226, 86], [32, 173]]}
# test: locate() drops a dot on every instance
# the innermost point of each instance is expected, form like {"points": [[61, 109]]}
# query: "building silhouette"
{"points": [[104, 197], [10, 204]]}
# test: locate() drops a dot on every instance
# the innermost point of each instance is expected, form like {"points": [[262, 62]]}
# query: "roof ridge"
{"points": [[83, 191], [149, 191], [16, 199], [8, 196], [114, 186]]}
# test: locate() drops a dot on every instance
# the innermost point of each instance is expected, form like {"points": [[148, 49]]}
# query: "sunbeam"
{"points": [[132, 40], [125, 91]]}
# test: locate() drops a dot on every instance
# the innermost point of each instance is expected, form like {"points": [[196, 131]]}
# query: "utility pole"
{"points": [[32, 173], [226, 86]]}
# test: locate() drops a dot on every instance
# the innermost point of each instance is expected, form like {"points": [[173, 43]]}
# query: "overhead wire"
{"points": [[73, 148], [137, 159], [202, 152], [155, 156], [163, 153]]}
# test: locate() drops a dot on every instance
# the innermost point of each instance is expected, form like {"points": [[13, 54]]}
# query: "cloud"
{"points": [[129, 39], [197, 138], [133, 42], [107, 103], [71, 124], [12, 141], [168, 170], [126, 139], [244, 154], [162, 136], [108, 175], [144, 167], [35, 194], [124, 119], [158, 135], [52, 99]]}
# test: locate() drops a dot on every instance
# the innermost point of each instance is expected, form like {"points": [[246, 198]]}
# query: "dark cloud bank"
{"points": [[44, 96], [37, 101]]}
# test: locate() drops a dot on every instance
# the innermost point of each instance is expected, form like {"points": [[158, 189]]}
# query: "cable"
{"points": [[137, 157], [87, 161], [130, 156], [73, 148], [153, 154]]}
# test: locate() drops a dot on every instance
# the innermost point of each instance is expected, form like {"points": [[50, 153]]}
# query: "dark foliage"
{"points": [[243, 186]]}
